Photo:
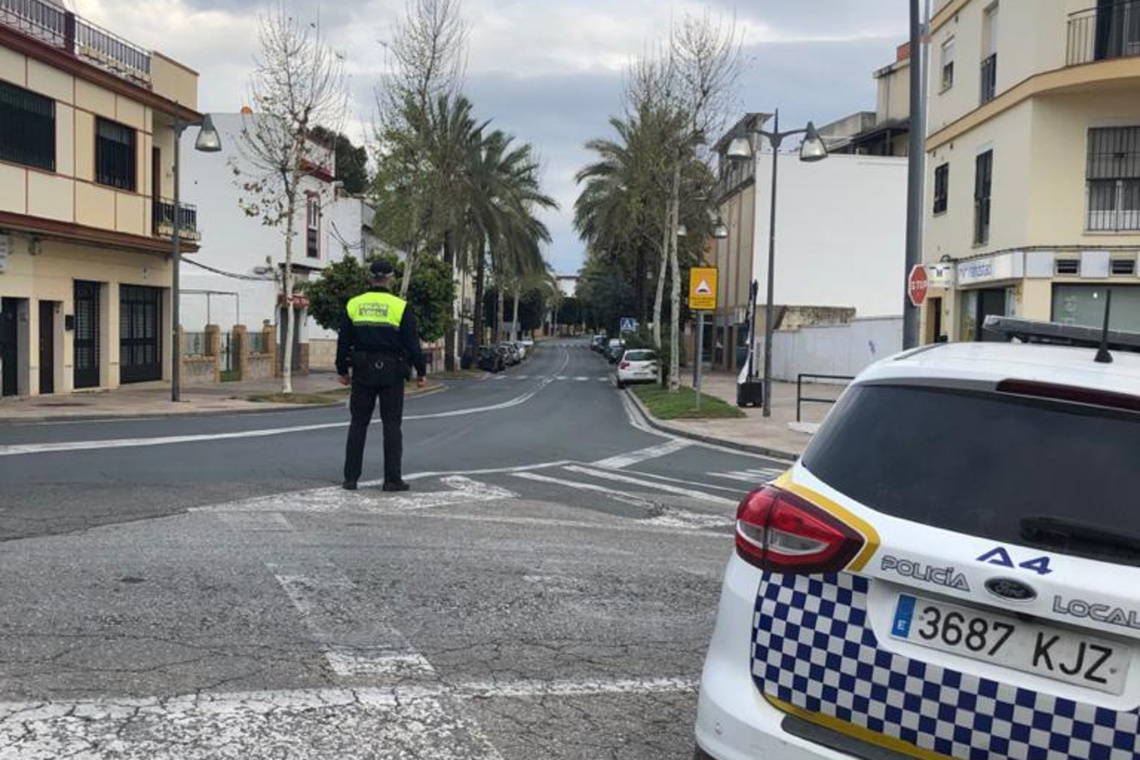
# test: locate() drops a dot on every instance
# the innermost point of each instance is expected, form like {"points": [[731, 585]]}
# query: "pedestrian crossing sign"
{"points": [[702, 288]]}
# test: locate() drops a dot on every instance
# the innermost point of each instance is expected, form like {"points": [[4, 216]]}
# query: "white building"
{"points": [[236, 277]]}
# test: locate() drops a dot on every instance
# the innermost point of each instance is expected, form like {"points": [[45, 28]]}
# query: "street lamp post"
{"points": [[208, 142], [812, 149]]}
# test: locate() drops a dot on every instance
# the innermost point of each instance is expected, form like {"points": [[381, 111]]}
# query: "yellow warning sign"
{"points": [[702, 288]]}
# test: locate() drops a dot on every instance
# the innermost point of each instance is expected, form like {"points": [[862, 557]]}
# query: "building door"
{"points": [[140, 334], [47, 347], [86, 334], [9, 348], [990, 302]]}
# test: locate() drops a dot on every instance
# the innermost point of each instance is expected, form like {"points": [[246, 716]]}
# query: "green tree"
{"points": [[431, 293], [351, 160]]}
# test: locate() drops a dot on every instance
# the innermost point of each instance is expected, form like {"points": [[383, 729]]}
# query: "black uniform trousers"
{"points": [[376, 378]]}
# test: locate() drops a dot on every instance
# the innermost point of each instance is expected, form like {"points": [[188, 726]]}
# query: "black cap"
{"points": [[382, 270]]}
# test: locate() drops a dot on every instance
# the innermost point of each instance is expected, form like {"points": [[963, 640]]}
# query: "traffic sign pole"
{"points": [[700, 354]]}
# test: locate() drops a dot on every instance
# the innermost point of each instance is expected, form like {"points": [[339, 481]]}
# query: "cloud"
{"points": [[548, 71]]}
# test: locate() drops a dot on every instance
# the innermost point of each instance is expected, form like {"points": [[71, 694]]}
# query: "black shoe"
{"points": [[349, 485], [396, 485]]}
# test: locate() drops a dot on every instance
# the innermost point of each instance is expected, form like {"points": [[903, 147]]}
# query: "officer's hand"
{"points": [[343, 379], [421, 381]]}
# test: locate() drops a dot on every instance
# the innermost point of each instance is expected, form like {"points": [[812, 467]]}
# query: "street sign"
{"points": [[917, 284], [702, 288], [628, 325]]}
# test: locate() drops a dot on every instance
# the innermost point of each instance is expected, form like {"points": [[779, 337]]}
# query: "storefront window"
{"points": [[976, 305], [1084, 305]]}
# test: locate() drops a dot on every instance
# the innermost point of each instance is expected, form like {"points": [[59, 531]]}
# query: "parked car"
{"points": [[518, 346], [527, 343], [598, 343], [510, 354], [614, 349], [951, 570], [637, 365], [490, 360]]}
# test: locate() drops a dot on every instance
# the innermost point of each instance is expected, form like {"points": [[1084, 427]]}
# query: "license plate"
{"points": [[1006, 641]]}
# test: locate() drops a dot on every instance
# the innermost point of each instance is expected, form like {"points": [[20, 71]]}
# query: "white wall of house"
{"points": [[835, 349], [840, 232], [235, 243]]}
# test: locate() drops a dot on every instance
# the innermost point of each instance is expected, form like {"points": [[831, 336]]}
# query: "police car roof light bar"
{"points": [[1053, 333]]}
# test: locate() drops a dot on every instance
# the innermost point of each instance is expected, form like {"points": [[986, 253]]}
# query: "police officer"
{"points": [[378, 338]]}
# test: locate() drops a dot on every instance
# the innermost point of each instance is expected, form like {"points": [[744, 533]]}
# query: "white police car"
{"points": [[951, 570]]}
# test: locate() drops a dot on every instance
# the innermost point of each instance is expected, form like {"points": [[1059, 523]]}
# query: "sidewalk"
{"points": [[778, 435], [153, 400]]}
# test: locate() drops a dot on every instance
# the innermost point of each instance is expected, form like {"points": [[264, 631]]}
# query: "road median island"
{"points": [[682, 405]]}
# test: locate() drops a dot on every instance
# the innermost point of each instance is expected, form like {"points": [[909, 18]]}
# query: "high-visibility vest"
{"points": [[377, 308]]}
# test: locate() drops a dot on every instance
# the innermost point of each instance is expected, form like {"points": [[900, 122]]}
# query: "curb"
{"points": [[283, 408], [664, 427]]}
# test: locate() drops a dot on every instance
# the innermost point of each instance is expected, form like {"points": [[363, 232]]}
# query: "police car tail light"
{"points": [[780, 531]]}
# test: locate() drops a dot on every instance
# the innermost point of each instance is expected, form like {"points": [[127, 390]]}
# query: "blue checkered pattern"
{"points": [[813, 648]]}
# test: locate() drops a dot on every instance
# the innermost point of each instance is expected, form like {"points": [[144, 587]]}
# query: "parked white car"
{"points": [[637, 365], [951, 570]]}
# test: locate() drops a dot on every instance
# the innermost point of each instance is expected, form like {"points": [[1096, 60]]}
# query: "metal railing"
{"points": [[163, 219], [1103, 33], [801, 399], [989, 78], [194, 344], [257, 343], [60, 28]]}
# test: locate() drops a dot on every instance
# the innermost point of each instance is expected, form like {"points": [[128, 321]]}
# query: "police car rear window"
{"points": [[640, 356], [983, 464]]}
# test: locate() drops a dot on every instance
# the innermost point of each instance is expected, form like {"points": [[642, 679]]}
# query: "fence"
{"points": [[258, 344], [195, 344], [1104, 32], [801, 399]]}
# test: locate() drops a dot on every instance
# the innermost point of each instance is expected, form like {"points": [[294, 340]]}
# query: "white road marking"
{"points": [[581, 379], [387, 654], [755, 477], [680, 481], [561, 377], [464, 491], [122, 443], [628, 498], [642, 455], [618, 525], [620, 478]]}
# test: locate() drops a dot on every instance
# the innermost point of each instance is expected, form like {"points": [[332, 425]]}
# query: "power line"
{"points": [[232, 275]]}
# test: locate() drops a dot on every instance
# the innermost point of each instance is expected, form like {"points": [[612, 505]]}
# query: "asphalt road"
{"points": [[201, 588]]}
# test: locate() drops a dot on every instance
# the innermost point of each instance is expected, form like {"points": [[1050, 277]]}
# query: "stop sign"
{"points": [[916, 285]]}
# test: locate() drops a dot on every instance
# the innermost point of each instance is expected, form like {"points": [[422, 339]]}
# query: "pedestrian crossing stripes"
{"points": [[756, 477]]}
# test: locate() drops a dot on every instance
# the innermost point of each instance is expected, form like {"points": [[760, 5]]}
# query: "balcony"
{"points": [[54, 25], [1104, 33], [163, 220]]}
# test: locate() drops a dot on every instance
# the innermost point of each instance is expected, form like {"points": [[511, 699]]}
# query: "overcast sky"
{"points": [[548, 71]]}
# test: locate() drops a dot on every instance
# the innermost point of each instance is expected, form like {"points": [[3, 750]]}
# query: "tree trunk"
{"points": [[290, 324], [409, 268], [639, 282], [480, 277], [659, 300], [449, 341], [516, 334], [498, 309], [675, 296]]}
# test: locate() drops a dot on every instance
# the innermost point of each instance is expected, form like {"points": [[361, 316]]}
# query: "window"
{"points": [[947, 64], [1084, 305], [1113, 175], [1068, 267], [979, 462], [115, 156], [313, 227], [989, 53], [27, 127], [983, 184], [1123, 267], [941, 188]]}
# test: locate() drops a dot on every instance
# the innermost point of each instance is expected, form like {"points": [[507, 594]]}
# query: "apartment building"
{"points": [[1033, 170], [86, 141]]}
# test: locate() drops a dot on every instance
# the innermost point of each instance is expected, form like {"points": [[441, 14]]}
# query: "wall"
{"points": [[893, 92], [841, 232], [70, 193], [834, 350]]}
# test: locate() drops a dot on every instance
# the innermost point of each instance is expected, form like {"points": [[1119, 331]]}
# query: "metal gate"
{"points": [[231, 349], [86, 334], [140, 334]]}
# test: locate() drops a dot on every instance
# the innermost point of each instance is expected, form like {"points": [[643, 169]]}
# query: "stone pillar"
{"points": [[213, 349], [239, 341], [271, 347]]}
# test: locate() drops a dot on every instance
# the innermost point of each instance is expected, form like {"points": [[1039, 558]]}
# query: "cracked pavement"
{"points": [[267, 615]]}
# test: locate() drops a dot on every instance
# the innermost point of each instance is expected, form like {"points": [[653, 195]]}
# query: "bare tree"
{"points": [[298, 83], [691, 85]]}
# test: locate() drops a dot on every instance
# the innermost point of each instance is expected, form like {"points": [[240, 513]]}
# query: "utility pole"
{"points": [[916, 161]]}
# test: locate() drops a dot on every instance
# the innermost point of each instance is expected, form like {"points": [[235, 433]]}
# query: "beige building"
{"points": [[86, 144], [1033, 170]]}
